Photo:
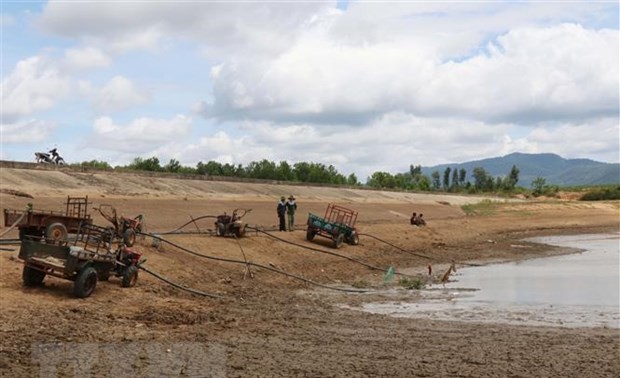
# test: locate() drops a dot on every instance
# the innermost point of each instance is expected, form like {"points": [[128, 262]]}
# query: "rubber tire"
{"points": [[85, 283], [239, 232], [338, 240], [130, 276], [310, 234], [354, 239], [56, 232], [32, 277], [129, 237], [220, 229]]}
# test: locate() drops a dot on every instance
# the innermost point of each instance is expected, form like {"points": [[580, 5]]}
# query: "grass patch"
{"points": [[484, 207], [606, 194], [361, 284], [411, 283]]}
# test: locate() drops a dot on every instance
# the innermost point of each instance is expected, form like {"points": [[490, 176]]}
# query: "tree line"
{"points": [[450, 180], [264, 169]]}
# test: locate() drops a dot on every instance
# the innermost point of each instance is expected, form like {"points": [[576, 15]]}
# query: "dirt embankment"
{"points": [[271, 325]]}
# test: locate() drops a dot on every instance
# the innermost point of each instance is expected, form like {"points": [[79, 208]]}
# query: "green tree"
{"points": [[382, 180], [435, 180], [462, 176], [481, 179], [513, 177], [446, 178], [150, 164], [415, 170], [95, 164], [352, 180], [285, 171], [538, 186], [172, 166], [455, 178], [424, 183]]}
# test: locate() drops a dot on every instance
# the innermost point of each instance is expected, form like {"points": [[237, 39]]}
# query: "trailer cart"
{"points": [[338, 224], [51, 225]]}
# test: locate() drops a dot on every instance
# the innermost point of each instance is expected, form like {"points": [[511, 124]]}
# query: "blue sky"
{"points": [[365, 86]]}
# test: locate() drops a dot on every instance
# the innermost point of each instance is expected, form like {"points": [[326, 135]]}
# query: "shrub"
{"points": [[411, 284], [602, 194]]}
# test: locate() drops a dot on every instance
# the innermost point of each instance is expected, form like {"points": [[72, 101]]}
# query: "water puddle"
{"points": [[577, 290]]}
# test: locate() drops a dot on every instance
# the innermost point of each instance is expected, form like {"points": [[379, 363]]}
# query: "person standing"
{"points": [[282, 213], [291, 206]]}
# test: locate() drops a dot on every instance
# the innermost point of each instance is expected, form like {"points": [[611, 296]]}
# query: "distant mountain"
{"points": [[553, 168]]}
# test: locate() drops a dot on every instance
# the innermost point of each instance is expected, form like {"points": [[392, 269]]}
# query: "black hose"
{"points": [[324, 251], [178, 286], [191, 221], [411, 252], [233, 261]]}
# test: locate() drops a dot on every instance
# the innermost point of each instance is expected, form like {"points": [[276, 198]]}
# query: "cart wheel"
{"points": [[338, 240], [239, 232], [354, 239], [130, 277], [220, 229], [129, 237], [56, 232], [310, 234], [85, 283], [32, 277]]}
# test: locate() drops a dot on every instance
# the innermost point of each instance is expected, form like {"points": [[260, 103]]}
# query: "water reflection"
{"points": [[577, 290]]}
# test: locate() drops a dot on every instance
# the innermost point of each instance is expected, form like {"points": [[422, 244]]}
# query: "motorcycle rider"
{"points": [[55, 155]]}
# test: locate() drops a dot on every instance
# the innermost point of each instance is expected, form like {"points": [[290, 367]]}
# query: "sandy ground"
{"points": [[275, 326]]}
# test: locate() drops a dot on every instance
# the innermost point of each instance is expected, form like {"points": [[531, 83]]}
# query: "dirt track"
{"points": [[271, 325]]}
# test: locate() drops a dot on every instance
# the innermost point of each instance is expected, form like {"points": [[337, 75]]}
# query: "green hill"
{"points": [[553, 168]]}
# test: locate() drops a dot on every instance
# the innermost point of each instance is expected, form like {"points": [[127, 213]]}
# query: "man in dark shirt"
{"points": [[282, 213]]}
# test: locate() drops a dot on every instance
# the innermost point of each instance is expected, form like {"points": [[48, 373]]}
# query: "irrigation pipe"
{"points": [[324, 251], [193, 220], [266, 267], [411, 252], [178, 286]]}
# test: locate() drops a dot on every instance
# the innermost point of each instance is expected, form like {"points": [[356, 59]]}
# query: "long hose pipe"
{"points": [[353, 259], [250, 263], [178, 286]]}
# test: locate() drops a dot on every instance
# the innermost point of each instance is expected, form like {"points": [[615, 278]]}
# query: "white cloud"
{"points": [[33, 131], [117, 94], [375, 87], [34, 85], [600, 138], [139, 136], [528, 75], [86, 58], [222, 27]]}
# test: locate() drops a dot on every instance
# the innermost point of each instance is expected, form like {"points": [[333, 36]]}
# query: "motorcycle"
{"points": [[51, 157]]}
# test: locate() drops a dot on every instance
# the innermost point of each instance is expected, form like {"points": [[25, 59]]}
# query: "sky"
{"points": [[364, 86]]}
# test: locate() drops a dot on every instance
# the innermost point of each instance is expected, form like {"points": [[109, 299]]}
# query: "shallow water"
{"points": [[577, 290]]}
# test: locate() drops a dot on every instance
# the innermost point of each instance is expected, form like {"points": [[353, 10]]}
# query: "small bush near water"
{"points": [[411, 284]]}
